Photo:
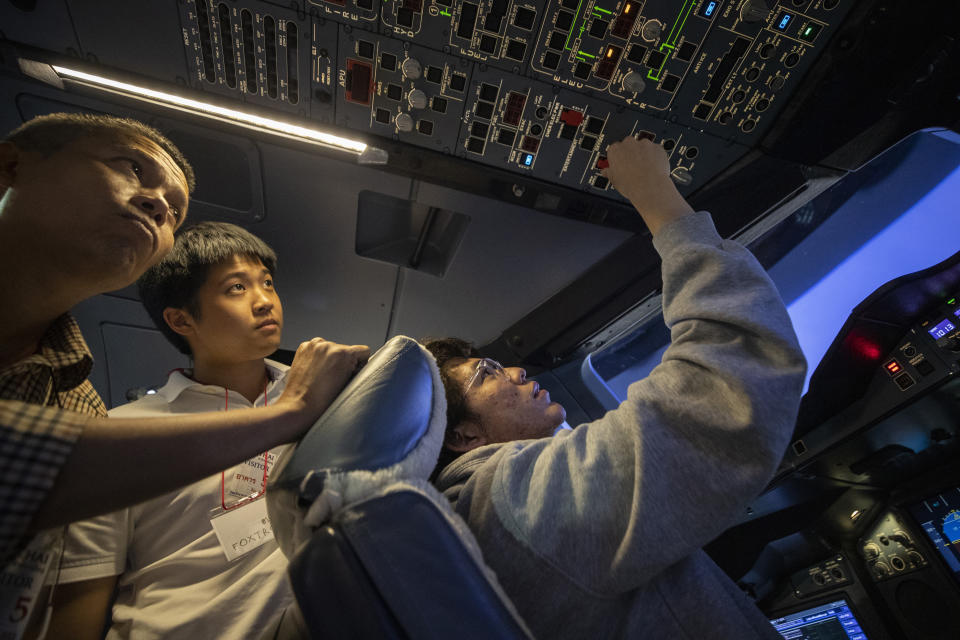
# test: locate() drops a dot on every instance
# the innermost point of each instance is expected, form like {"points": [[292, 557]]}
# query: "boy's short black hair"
{"points": [[49, 133], [175, 280], [449, 353]]}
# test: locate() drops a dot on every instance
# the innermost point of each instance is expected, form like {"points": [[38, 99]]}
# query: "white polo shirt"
{"points": [[175, 580]]}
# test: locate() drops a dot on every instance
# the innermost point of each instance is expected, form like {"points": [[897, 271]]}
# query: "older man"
{"points": [[87, 204]]}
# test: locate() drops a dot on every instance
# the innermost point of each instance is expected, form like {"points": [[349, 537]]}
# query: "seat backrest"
{"points": [[375, 551]]}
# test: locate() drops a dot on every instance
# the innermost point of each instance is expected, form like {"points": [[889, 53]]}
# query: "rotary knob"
{"points": [[417, 99], [754, 11], [651, 30], [404, 122], [411, 68], [633, 82]]}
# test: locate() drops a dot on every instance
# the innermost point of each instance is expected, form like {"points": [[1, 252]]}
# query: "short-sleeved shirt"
{"points": [[36, 436], [174, 578]]}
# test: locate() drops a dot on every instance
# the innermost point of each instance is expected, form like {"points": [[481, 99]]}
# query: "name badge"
{"points": [[21, 581], [243, 529]]}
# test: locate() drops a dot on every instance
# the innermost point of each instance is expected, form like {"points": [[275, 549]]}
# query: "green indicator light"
{"points": [[601, 9], [566, 45], [444, 13], [584, 53], [680, 21], [951, 300]]}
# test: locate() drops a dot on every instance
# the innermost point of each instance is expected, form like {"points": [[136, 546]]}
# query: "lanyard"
{"points": [[223, 477]]}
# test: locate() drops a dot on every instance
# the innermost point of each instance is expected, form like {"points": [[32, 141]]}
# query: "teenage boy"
{"points": [[87, 204], [596, 532], [199, 562]]}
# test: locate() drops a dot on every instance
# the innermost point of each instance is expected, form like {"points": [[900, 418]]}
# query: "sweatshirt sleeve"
{"points": [[614, 502]]}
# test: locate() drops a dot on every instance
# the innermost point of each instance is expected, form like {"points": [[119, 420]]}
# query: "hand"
{"points": [[640, 171], [319, 372]]}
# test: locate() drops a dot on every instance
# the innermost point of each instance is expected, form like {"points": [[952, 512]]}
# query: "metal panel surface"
{"points": [[326, 289], [109, 30], [484, 286]]}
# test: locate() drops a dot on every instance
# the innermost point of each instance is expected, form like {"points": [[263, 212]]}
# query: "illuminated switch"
{"points": [[893, 367], [571, 117], [602, 163]]}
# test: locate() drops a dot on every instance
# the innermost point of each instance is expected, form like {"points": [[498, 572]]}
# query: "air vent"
{"points": [[226, 40], [408, 234], [206, 45], [270, 34], [293, 87], [249, 49]]}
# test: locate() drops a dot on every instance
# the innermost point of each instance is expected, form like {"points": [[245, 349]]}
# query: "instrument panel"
{"points": [[534, 87]]}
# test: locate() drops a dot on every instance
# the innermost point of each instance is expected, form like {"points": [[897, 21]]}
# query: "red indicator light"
{"points": [[603, 163], [893, 367], [863, 347], [571, 117]]}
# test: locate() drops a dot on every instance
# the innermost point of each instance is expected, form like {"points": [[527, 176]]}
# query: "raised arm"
{"points": [[614, 502]]}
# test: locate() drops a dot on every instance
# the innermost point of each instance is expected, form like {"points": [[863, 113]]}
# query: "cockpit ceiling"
{"points": [[490, 218]]}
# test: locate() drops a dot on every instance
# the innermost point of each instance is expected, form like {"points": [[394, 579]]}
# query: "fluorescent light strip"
{"points": [[204, 108]]}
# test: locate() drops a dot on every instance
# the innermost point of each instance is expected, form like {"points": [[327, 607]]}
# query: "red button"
{"points": [[571, 117], [602, 163]]}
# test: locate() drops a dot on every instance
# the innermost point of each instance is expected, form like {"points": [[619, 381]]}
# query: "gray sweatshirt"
{"points": [[597, 532]]}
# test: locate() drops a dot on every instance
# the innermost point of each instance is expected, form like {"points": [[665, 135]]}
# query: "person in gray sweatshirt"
{"points": [[597, 532]]}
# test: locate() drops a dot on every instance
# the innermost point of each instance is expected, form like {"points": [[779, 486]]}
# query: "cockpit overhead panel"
{"points": [[533, 87]]}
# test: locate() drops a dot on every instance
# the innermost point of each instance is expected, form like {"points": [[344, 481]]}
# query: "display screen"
{"points": [[941, 328], [707, 9], [939, 517], [831, 621]]}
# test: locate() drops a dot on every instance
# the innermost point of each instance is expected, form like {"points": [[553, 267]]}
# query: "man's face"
{"points": [[104, 209], [505, 404], [241, 318]]}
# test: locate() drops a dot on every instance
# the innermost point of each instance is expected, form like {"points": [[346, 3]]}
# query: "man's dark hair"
{"points": [[49, 133], [175, 280], [450, 352]]}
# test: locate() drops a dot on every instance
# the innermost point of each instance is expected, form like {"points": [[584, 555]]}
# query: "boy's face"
{"points": [[103, 208], [505, 405], [241, 318]]}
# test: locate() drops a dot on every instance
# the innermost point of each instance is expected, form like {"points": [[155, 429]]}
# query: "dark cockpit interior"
{"points": [[433, 167]]}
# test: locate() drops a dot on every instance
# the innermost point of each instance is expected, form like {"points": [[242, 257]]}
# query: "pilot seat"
{"points": [[375, 551]]}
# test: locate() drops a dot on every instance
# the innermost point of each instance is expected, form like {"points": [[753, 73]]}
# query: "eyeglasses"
{"points": [[485, 367]]}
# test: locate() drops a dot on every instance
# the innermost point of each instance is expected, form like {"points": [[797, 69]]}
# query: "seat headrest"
{"points": [[386, 424]]}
